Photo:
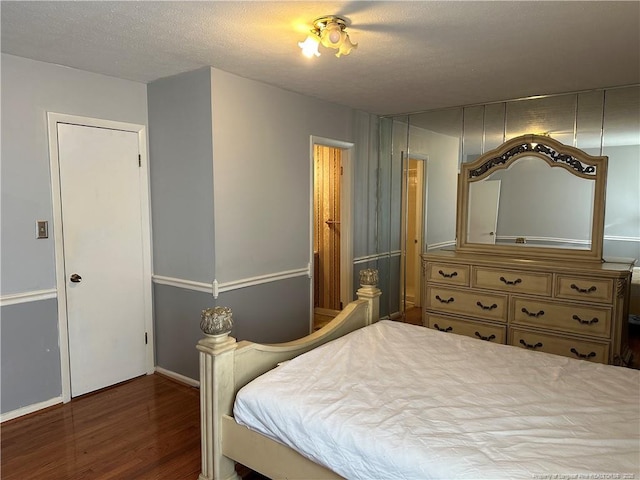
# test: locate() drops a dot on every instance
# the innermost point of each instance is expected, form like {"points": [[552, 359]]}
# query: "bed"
{"points": [[368, 399]]}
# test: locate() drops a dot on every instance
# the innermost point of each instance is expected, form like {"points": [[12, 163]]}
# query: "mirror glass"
{"points": [[533, 197], [599, 122], [531, 204]]}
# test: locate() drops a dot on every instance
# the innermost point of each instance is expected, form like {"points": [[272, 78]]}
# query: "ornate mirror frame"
{"points": [[557, 155]]}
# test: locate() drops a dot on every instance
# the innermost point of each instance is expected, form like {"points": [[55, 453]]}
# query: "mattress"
{"points": [[393, 400]]}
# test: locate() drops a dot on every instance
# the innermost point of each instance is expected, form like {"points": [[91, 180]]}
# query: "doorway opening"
{"points": [[412, 237], [331, 230]]}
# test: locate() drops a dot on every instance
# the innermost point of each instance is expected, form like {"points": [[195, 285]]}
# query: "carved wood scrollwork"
{"points": [[583, 170], [524, 147], [621, 287]]}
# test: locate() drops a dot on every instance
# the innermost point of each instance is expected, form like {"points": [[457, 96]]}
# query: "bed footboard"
{"points": [[227, 365], [271, 458]]}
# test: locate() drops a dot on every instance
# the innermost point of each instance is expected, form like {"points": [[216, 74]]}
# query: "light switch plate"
{"points": [[42, 229]]}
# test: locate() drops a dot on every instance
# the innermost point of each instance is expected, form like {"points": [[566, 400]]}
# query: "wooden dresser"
{"points": [[568, 308]]}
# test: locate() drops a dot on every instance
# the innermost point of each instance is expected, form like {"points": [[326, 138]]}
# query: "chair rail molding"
{"points": [[26, 297], [220, 287], [216, 288]]}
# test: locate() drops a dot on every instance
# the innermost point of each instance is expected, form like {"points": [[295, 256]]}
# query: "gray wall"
{"points": [[181, 152], [622, 216], [30, 356], [442, 181], [261, 161], [543, 202], [263, 152], [240, 152], [367, 133], [30, 89], [259, 319]]}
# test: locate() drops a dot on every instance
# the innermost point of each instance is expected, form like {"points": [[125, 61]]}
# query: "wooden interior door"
{"points": [[412, 213], [327, 179], [415, 209]]}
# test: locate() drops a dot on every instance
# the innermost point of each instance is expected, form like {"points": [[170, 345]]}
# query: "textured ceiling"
{"points": [[412, 56]]}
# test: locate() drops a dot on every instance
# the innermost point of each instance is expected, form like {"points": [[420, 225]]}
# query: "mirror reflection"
{"points": [[531, 204], [599, 122]]}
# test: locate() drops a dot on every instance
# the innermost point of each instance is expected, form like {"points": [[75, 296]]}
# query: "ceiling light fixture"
{"points": [[330, 32]]}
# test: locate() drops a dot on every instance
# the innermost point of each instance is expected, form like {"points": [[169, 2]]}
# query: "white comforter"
{"points": [[400, 401]]}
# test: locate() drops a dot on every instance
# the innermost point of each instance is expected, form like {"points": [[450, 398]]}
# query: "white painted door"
{"points": [[484, 199], [103, 255]]}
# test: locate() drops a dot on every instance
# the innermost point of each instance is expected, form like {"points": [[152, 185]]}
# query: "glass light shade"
{"points": [[332, 35], [346, 46], [310, 46]]}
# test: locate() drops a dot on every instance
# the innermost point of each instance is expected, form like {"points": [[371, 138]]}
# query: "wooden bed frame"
{"points": [[226, 366]]}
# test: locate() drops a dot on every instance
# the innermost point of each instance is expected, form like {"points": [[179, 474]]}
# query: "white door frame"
{"points": [[61, 282], [346, 214]]}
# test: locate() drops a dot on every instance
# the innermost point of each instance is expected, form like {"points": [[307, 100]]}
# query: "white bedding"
{"points": [[400, 401]]}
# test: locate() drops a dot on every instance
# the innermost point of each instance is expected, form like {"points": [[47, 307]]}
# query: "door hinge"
{"points": [[341, 170], [146, 339], [139, 160]]}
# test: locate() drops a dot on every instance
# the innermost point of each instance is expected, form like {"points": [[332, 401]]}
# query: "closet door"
{"points": [[103, 255]]}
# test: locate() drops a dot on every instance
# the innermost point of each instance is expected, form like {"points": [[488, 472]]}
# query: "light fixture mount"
{"points": [[328, 31], [319, 24]]}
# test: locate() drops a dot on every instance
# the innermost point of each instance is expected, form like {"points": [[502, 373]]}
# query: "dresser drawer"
{"points": [[582, 319], [482, 331], [582, 349], [467, 302], [584, 288], [512, 281], [448, 273]]}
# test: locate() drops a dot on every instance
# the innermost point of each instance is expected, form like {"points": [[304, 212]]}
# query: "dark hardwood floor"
{"points": [[413, 315], [146, 428]]}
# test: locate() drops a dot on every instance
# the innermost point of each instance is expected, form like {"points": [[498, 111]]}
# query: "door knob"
{"points": [[75, 278]]}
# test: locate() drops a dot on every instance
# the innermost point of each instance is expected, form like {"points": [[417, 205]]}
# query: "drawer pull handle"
{"points": [[582, 355], [486, 307], [441, 300], [448, 275], [510, 282], [585, 322], [486, 339], [448, 329], [528, 345], [583, 290], [539, 314]]}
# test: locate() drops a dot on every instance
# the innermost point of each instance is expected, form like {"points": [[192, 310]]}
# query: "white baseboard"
{"points": [[30, 409], [176, 376]]}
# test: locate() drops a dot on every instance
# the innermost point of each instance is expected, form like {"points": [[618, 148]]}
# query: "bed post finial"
{"points": [[370, 292], [216, 322], [216, 390]]}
